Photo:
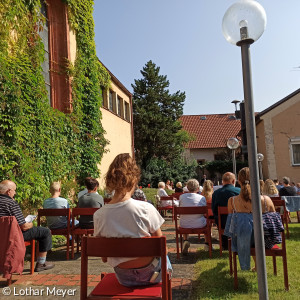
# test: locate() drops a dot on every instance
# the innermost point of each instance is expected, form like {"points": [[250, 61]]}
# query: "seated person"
{"points": [[125, 217], [9, 207], [208, 189], [91, 199], [239, 225], [138, 194], [85, 191], [56, 222], [168, 185], [287, 189], [191, 221], [178, 188], [270, 189], [162, 193]]}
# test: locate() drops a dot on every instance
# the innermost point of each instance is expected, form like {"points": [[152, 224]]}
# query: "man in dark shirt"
{"points": [[90, 199], [287, 190], [9, 207], [220, 198]]}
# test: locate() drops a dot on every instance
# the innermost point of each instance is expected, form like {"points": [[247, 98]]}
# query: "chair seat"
{"points": [[165, 207], [191, 230], [63, 231], [110, 286]]}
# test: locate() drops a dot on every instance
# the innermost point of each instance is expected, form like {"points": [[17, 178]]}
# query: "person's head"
{"points": [[286, 181], [123, 174], [293, 183], [276, 182], [8, 187], [91, 184], [179, 184], [244, 180], [161, 185], [204, 176], [298, 185], [55, 187], [168, 182], [208, 188], [228, 178], [193, 185], [270, 188]]}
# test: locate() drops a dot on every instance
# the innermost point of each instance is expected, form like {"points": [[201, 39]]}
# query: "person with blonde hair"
{"points": [[270, 189], [178, 188], [208, 189], [57, 202], [239, 225], [126, 217]]}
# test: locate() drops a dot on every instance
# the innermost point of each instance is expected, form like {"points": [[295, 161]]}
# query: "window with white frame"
{"points": [[295, 151]]}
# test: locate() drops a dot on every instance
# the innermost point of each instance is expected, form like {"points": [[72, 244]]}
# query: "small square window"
{"points": [[295, 151]]}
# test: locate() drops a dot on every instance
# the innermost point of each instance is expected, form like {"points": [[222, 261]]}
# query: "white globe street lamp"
{"points": [[233, 144], [260, 158], [243, 24]]}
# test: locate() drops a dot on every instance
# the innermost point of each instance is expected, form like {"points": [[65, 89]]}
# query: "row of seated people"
{"points": [[122, 217]]}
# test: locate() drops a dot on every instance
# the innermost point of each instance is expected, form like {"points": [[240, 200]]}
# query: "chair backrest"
{"points": [[176, 195], [54, 212], [222, 210], [276, 198], [278, 203], [123, 247], [82, 211], [191, 210]]}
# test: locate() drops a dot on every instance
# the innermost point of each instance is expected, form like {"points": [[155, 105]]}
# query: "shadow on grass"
{"points": [[216, 283]]}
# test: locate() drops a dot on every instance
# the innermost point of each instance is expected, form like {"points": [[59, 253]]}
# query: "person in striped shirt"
{"points": [[9, 207]]}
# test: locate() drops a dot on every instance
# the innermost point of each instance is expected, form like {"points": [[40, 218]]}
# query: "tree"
{"points": [[156, 112]]}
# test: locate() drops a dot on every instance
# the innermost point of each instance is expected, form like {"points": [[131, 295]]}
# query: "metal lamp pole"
{"points": [[246, 20]]}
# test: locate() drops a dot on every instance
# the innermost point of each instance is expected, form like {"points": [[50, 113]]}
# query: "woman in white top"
{"points": [[126, 217]]}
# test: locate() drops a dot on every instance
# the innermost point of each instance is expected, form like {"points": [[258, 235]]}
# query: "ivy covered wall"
{"points": [[39, 144]]}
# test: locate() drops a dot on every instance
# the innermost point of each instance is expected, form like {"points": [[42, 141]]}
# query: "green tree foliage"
{"points": [[38, 144], [157, 129], [160, 170]]}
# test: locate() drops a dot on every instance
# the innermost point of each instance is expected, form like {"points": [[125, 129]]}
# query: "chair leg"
{"points": [[180, 243], [298, 216], [208, 238], [274, 265], [177, 245], [285, 272], [68, 246], [77, 242], [287, 226], [72, 250], [32, 256], [230, 256], [220, 243], [235, 271]]}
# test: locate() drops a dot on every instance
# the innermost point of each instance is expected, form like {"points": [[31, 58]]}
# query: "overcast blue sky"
{"points": [[184, 38]]}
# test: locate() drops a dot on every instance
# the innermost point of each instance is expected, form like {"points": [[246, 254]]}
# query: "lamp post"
{"points": [[243, 23], [260, 158], [233, 144]]}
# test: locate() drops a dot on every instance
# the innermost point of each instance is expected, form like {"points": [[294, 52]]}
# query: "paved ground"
{"points": [[64, 280]]}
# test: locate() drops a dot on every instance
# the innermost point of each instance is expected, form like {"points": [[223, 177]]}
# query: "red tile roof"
{"points": [[212, 132]]}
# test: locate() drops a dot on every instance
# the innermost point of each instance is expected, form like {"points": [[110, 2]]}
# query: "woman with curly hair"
{"points": [[239, 225], [126, 217], [270, 189]]}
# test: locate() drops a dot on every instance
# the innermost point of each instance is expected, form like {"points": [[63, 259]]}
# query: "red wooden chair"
{"points": [[275, 251], [56, 212], [176, 195], [106, 200], [193, 210], [166, 208], [109, 287], [77, 231], [281, 208]]}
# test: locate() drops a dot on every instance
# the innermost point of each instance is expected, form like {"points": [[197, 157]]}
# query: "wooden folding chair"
{"points": [[275, 251], [56, 212], [77, 231], [281, 208], [106, 200], [109, 287], [176, 195], [166, 208], [192, 210]]}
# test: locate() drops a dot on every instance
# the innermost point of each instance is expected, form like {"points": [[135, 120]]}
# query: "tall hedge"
{"points": [[39, 144]]}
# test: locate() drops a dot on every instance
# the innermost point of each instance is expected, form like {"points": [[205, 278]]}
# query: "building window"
{"points": [[295, 151], [44, 34], [127, 112], [120, 106], [200, 162], [111, 101], [104, 97]]}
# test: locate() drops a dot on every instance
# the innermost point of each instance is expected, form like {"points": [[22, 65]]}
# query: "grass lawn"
{"points": [[213, 281]]}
